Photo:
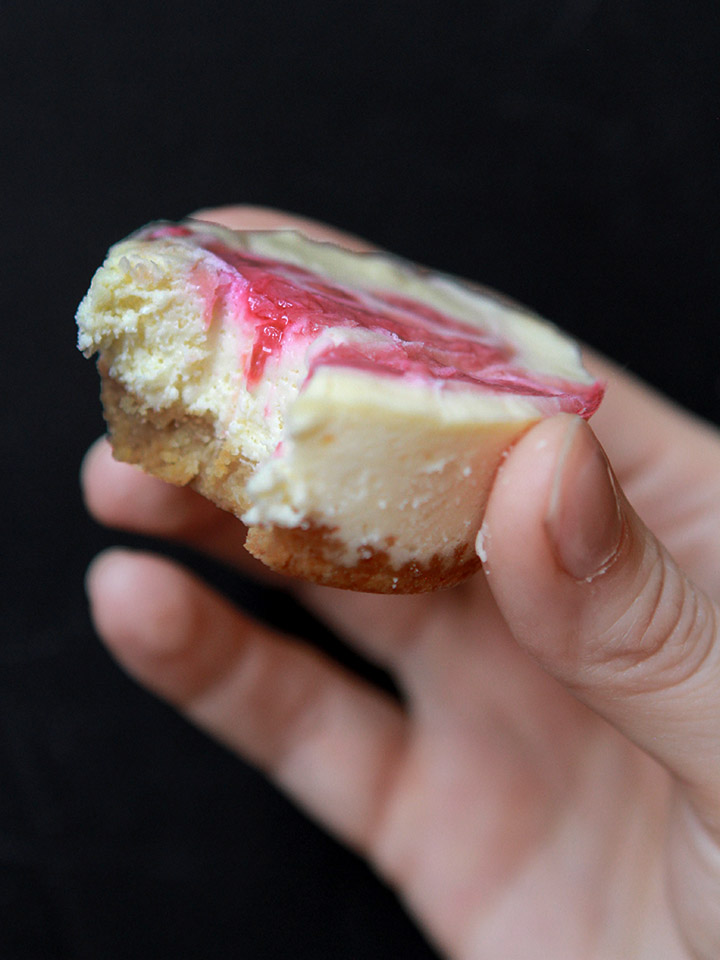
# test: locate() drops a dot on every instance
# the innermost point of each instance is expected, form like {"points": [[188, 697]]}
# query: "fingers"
{"points": [[319, 733], [589, 592]]}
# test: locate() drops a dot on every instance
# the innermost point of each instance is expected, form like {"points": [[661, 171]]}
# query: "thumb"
{"points": [[590, 593]]}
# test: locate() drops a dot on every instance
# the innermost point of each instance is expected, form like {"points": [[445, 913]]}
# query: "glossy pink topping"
{"points": [[284, 303]]}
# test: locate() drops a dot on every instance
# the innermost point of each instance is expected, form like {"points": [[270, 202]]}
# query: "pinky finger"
{"points": [[325, 737]]}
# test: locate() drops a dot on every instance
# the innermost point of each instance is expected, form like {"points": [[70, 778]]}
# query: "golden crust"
{"points": [[184, 450], [315, 553], [174, 446]]}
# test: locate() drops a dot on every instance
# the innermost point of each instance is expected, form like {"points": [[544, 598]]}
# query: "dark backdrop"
{"points": [[564, 151]]}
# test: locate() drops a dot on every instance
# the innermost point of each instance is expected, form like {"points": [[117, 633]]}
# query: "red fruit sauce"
{"points": [[285, 302]]}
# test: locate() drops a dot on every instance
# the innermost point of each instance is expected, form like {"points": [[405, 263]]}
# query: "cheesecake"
{"points": [[351, 409]]}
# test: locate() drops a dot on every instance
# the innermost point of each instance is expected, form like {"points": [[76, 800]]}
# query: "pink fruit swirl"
{"points": [[284, 302]]}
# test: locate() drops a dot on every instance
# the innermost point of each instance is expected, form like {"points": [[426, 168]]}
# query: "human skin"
{"points": [[551, 785]]}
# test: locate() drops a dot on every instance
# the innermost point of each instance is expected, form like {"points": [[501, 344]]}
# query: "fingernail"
{"points": [[584, 517]]}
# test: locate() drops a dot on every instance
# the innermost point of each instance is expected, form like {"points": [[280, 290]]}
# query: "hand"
{"points": [[552, 787]]}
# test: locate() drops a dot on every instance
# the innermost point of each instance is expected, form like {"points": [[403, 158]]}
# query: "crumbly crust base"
{"points": [[174, 446], [314, 553], [183, 450]]}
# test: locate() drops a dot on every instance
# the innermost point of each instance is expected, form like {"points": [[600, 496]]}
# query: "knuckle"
{"points": [[662, 639]]}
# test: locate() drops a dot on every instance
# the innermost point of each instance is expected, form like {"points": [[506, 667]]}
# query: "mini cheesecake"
{"points": [[350, 408]]}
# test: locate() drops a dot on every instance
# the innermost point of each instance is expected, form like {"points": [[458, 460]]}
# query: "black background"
{"points": [[564, 151]]}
